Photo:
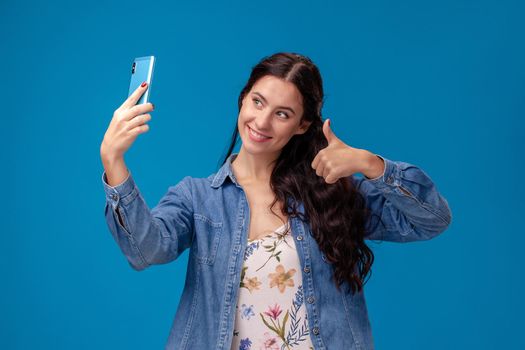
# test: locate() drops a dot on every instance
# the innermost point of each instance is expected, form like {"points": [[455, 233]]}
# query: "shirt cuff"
{"points": [[123, 192]]}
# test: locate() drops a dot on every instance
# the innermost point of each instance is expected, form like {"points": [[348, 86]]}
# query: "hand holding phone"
{"points": [[142, 71], [129, 120]]}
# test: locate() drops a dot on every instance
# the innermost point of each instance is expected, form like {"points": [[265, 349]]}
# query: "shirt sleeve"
{"points": [[405, 204], [147, 237]]}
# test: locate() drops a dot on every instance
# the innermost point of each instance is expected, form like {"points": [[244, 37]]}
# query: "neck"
{"points": [[254, 168]]}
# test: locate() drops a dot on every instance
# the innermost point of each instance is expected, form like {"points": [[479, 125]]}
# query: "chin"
{"points": [[254, 150]]}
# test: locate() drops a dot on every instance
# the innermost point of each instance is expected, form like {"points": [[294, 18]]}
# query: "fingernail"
{"points": [[153, 105], [143, 84]]}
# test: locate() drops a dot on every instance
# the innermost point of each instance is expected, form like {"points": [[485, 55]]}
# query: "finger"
{"points": [[142, 108], [317, 159], [320, 168], [135, 95], [139, 120], [331, 179], [326, 172], [137, 110], [140, 129], [327, 131]]}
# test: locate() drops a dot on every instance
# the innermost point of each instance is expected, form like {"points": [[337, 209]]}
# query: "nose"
{"points": [[263, 121]]}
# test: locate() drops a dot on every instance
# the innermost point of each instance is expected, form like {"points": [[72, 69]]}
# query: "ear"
{"points": [[303, 127]]}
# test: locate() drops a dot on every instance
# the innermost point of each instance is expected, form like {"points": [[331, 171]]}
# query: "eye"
{"points": [[255, 100]]}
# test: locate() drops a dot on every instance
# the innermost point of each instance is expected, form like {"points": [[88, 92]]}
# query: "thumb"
{"points": [[328, 133]]}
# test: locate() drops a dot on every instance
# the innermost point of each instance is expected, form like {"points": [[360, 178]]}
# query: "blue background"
{"points": [[439, 84]]}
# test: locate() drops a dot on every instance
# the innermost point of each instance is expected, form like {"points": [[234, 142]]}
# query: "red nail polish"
{"points": [[143, 84]]}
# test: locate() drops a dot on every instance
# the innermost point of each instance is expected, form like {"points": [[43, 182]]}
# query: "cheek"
{"points": [[284, 134], [246, 114], [247, 110], [242, 121]]}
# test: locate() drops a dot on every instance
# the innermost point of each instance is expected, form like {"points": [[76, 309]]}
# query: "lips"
{"points": [[258, 132]]}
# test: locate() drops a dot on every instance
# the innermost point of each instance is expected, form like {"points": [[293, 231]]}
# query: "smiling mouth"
{"points": [[258, 135]]}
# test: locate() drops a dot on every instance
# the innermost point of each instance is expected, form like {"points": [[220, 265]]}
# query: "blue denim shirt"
{"points": [[210, 216]]}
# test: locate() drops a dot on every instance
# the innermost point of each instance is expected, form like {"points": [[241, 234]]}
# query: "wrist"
{"points": [[373, 167], [109, 158]]}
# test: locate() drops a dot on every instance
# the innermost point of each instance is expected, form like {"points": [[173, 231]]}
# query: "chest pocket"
{"points": [[206, 240]]}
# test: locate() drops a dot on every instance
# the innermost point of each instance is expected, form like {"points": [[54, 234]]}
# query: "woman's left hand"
{"points": [[339, 160]]}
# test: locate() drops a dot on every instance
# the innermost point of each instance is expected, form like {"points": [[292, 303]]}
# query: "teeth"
{"points": [[257, 135]]}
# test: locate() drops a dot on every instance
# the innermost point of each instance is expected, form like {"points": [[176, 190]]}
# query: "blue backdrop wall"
{"points": [[439, 84]]}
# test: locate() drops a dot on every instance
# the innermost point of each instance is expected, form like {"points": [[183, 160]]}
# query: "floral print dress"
{"points": [[270, 312]]}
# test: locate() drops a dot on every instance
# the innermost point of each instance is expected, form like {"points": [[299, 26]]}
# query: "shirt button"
{"points": [[311, 300], [315, 330], [306, 269], [299, 238], [114, 196]]}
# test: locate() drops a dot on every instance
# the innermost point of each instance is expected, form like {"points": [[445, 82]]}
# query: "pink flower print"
{"points": [[269, 342], [273, 312]]}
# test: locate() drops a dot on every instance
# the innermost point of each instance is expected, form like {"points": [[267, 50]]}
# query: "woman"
{"points": [[276, 236]]}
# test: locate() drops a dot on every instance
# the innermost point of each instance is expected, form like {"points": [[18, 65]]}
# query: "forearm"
{"points": [[115, 168], [149, 236], [408, 202]]}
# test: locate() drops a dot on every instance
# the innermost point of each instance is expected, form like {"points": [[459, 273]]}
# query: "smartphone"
{"points": [[142, 70]]}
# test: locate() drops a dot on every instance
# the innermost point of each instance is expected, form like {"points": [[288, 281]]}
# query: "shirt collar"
{"points": [[224, 172]]}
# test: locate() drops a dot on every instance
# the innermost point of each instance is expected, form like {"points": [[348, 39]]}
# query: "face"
{"points": [[271, 114]]}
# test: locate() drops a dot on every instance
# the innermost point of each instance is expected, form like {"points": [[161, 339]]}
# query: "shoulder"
{"points": [[194, 184]]}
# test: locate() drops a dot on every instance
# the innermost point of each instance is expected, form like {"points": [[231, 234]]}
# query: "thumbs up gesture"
{"points": [[339, 160]]}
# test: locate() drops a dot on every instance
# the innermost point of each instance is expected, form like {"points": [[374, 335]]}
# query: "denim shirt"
{"points": [[211, 216]]}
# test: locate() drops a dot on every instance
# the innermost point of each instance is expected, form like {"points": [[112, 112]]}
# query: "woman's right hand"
{"points": [[129, 120]]}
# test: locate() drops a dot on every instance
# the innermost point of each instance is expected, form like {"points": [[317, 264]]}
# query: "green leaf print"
{"points": [[243, 273], [268, 325], [273, 250], [278, 329]]}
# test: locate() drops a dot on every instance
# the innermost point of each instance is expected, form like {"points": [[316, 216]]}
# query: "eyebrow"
{"points": [[282, 107]]}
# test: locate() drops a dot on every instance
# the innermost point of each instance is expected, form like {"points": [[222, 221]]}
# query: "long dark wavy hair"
{"points": [[337, 213]]}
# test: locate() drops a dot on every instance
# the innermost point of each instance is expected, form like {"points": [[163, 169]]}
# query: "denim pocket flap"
{"points": [[206, 239]]}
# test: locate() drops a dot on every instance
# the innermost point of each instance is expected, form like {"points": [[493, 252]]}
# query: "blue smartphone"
{"points": [[142, 70]]}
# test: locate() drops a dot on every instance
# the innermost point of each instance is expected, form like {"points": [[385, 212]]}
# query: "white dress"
{"points": [[270, 312]]}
